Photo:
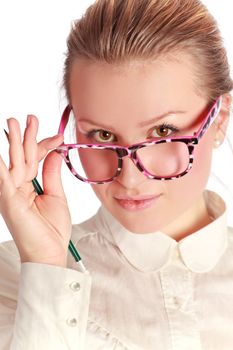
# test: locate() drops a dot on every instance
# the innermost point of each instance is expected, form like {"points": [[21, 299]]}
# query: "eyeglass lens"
{"points": [[162, 160]]}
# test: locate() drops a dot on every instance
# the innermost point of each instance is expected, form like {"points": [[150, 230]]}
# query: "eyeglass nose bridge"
{"points": [[131, 153]]}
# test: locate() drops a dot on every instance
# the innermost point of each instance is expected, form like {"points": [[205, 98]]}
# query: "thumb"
{"points": [[51, 175]]}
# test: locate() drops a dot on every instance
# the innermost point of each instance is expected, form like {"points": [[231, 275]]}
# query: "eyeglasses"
{"points": [[161, 159]]}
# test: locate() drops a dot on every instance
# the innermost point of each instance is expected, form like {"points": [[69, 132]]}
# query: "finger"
{"points": [[16, 152], [15, 143], [48, 144], [30, 147], [51, 175]]}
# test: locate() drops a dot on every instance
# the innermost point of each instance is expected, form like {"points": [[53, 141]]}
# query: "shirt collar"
{"points": [[200, 251]]}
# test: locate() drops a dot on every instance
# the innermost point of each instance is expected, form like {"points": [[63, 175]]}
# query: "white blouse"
{"points": [[142, 292]]}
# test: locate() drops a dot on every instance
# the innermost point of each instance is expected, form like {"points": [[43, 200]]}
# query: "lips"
{"points": [[132, 204], [137, 198]]}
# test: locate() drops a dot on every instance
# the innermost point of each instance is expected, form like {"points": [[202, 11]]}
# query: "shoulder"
{"points": [[85, 229], [94, 243]]}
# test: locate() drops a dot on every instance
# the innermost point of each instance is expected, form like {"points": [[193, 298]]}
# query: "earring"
{"points": [[217, 143]]}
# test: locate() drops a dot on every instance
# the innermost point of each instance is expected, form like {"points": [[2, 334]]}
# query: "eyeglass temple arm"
{"points": [[210, 119], [206, 123], [64, 120]]}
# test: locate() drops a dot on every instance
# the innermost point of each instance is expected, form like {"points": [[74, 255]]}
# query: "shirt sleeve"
{"points": [[43, 307]]}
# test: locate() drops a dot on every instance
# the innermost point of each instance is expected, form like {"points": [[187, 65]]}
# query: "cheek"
{"points": [[202, 159], [191, 186]]}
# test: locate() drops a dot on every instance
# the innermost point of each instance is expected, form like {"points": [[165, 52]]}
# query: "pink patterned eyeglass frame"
{"points": [[190, 141]]}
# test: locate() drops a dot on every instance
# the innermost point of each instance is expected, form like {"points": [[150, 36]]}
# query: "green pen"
{"points": [[72, 248]]}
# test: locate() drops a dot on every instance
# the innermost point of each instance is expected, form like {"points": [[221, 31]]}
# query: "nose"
{"points": [[130, 176]]}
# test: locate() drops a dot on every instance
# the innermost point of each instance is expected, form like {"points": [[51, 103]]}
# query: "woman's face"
{"points": [[126, 102]]}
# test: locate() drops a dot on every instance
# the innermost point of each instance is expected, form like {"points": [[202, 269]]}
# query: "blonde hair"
{"points": [[118, 31]]}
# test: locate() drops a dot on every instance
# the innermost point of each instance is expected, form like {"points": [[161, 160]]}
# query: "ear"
{"points": [[222, 120]]}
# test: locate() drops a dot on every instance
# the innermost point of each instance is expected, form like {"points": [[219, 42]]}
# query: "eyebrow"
{"points": [[142, 124]]}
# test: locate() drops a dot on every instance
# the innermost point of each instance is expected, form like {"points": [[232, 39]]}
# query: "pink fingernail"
{"points": [[28, 120]]}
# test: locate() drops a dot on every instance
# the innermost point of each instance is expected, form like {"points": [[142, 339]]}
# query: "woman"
{"points": [[148, 85]]}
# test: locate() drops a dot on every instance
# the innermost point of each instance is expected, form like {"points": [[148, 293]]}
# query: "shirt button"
{"points": [[75, 286], [72, 322]]}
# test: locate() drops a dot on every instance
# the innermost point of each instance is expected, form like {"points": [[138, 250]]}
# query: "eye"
{"points": [[100, 136], [164, 130]]}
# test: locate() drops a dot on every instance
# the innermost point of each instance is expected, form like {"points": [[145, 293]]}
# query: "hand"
{"points": [[40, 225]]}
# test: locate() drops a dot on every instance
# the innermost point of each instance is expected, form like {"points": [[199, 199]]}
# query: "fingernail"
{"points": [[28, 120]]}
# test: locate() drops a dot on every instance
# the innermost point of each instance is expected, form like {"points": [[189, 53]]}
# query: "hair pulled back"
{"points": [[119, 31]]}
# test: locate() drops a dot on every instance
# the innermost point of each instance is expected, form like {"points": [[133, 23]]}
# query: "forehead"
{"points": [[105, 92]]}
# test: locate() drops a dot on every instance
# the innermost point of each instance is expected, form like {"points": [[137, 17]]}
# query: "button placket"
{"points": [[75, 287]]}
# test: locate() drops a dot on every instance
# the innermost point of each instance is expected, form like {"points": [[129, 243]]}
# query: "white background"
{"points": [[32, 46]]}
